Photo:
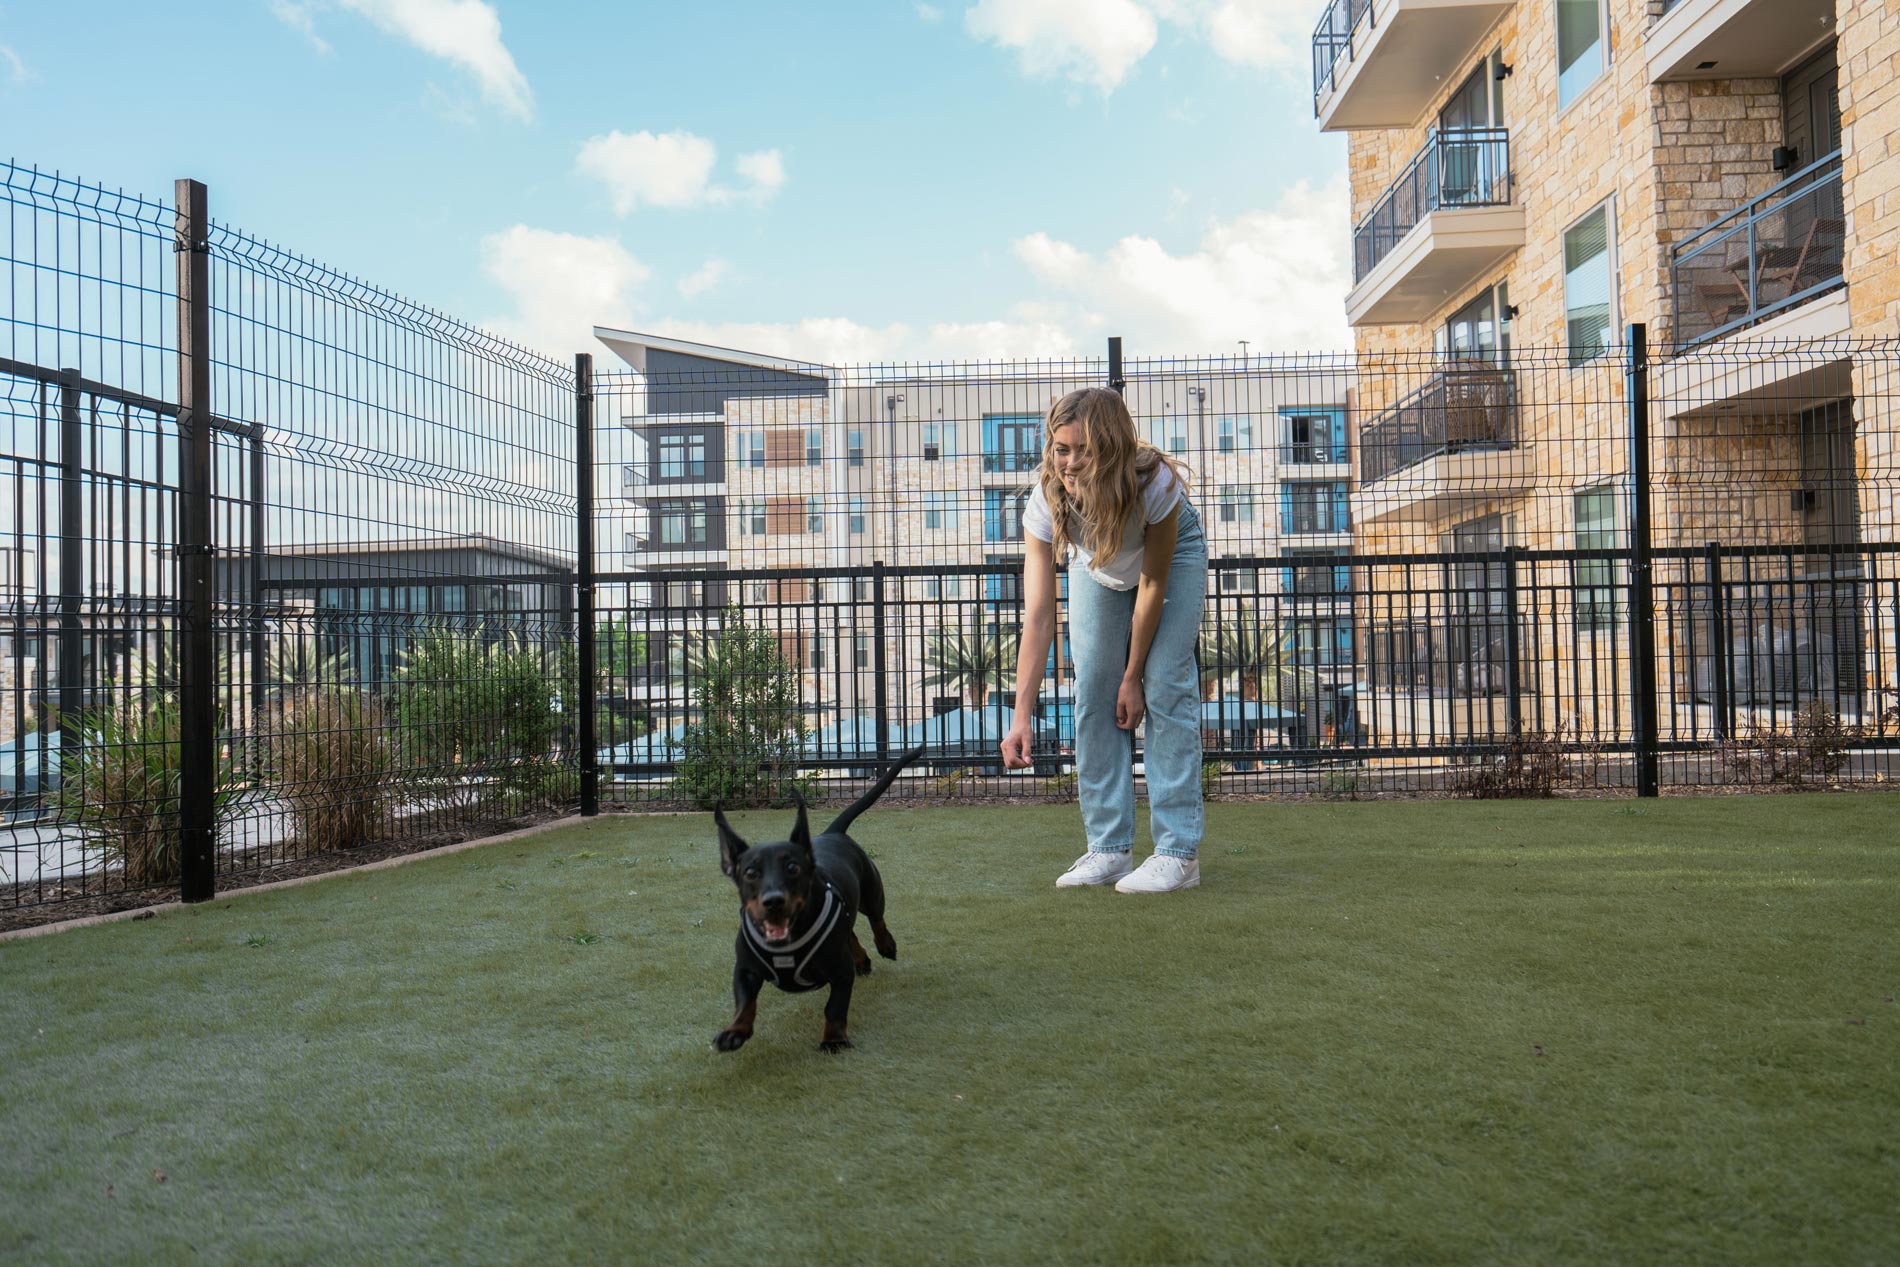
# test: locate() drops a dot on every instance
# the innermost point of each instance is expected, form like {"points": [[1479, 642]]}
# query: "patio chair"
{"points": [[1794, 269]]}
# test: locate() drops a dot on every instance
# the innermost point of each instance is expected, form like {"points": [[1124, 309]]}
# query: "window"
{"points": [[1322, 576], [1169, 434], [940, 440], [1003, 514], [943, 587], [856, 521], [863, 651], [817, 651], [1012, 442], [685, 594], [1319, 506], [1322, 642], [1596, 579], [630, 543], [1580, 47], [1239, 581], [1313, 435], [940, 510], [854, 448], [683, 456], [861, 589], [814, 446], [752, 448], [1479, 331], [755, 518], [1587, 285], [630, 479], [1236, 432], [682, 523], [1236, 504], [814, 515]]}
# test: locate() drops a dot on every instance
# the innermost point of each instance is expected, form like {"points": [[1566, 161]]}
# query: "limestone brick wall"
{"points": [[1869, 55]]}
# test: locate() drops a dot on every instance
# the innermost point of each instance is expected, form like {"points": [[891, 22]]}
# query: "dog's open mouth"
{"points": [[775, 930]]}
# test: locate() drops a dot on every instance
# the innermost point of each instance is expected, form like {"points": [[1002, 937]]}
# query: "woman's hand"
{"points": [[1016, 745], [1131, 704]]}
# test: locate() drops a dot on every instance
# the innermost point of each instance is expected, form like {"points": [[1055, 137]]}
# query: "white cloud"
{"points": [[563, 285], [301, 18], [707, 276], [929, 12], [1094, 41], [17, 69], [464, 32], [1100, 41], [1276, 278], [673, 169], [765, 169]]}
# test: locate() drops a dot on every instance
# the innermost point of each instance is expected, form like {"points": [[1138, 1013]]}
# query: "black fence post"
{"points": [[1115, 379], [1513, 665], [72, 560], [1718, 639], [584, 579], [1642, 604], [197, 689], [879, 664]]}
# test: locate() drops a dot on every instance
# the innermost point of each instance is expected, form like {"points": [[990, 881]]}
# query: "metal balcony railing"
{"points": [[1332, 40], [1470, 405], [1457, 167], [1770, 253]]}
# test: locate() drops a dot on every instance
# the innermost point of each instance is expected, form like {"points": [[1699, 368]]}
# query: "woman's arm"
{"points": [[1157, 556], [1039, 630]]}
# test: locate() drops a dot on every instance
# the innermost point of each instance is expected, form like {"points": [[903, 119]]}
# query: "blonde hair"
{"points": [[1120, 465]]}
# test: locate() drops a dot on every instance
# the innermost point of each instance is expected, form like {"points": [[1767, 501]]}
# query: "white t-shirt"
{"points": [[1158, 498]]}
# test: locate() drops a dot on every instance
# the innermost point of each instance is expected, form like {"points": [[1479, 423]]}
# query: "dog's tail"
{"points": [[842, 822]]}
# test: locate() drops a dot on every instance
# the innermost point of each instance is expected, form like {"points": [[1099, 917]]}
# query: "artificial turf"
{"points": [[1526, 1032]]}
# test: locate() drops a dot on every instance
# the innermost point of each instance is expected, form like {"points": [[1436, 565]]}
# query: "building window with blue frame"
{"points": [[940, 440], [1322, 643], [814, 514], [1314, 506], [1598, 583], [857, 516], [1236, 504], [940, 510], [1235, 433], [1317, 573], [854, 448], [1003, 514], [814, 446], [1169, 433], [1313, 435], [752, 448], [1012, 442]]}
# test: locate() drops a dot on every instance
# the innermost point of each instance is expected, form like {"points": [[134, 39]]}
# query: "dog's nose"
{"points": [[772, 901]]}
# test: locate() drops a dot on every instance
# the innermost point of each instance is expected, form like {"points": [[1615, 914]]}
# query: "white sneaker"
{"points": [[1161, 874], [1096, 868]]}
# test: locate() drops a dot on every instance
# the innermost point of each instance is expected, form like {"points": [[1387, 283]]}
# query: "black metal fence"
{"points": [[291, 564]]}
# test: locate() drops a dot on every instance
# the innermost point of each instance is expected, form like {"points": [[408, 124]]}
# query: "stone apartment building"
{"points": [[1528, 178], [750, 463]]}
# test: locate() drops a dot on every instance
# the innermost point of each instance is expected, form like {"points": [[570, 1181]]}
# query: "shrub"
{"points": [[1210, 778], [1813, 749], [743, 749], [1529, 766], [121, 778], [330, 759], [467, 709]]}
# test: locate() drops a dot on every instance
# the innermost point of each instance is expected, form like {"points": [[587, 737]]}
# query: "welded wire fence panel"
{"points": [[395, 525]]}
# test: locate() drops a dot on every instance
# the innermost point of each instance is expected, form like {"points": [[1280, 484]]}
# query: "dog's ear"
{"points": [[730, 846], [801, 830]]}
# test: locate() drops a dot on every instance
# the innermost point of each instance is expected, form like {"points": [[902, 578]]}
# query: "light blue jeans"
{"points": [[1100, 622]]}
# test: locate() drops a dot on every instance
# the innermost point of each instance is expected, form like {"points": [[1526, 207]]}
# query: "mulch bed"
{"points": [[30, 906]]}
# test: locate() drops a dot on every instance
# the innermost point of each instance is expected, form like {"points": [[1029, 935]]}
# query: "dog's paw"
{"points": [[730, 1039], [832, 1046], [886, 944], [864, 967]]}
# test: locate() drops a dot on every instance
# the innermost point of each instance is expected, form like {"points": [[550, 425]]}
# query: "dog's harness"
{"points": [[786, 964]]}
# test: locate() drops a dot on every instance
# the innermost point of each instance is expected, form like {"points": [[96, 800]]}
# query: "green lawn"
{"points": [[1557, 1032]]}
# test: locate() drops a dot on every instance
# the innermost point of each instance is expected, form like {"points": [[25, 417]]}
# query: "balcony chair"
{"points": [[1797, 268]]}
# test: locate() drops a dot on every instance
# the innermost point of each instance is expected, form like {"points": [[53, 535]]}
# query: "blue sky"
{"points": [[832, 181]]}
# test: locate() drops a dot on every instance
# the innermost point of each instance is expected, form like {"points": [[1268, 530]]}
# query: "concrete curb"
{"points": [[381, 864]]}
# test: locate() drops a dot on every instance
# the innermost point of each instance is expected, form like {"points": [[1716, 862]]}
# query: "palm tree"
{"points": [[1256, 654], [970, 660]]}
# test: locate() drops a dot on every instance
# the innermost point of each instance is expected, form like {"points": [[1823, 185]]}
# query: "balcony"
{"points": [[1442, 226], [1768, 255], [1733, 39], [1455, 440], [1382, 63]]}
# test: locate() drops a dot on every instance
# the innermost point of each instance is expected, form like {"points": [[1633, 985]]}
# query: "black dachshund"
{"points": [[798, 902]]}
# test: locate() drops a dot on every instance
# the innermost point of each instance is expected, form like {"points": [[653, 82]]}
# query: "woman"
{"points": [[1137, 580]]}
